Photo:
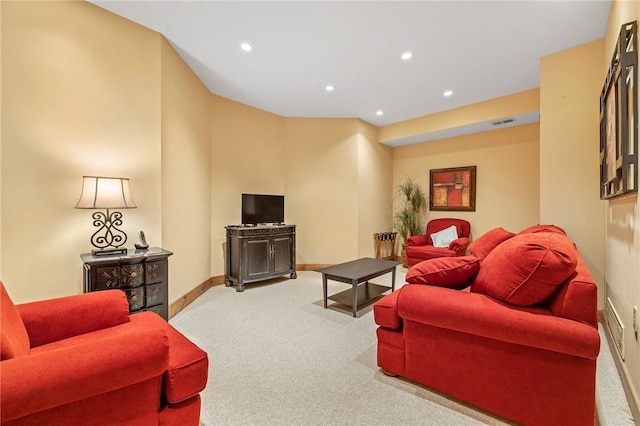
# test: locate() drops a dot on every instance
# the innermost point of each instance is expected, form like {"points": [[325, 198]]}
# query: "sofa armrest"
{"points": [[459, 244], [480, 315], [51, 320], [188, 368], [48, 379], [385, 311], [418, 240]]}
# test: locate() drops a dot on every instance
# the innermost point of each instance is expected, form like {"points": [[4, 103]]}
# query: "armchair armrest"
{"points": [[48, 379], [480, 315], [459, 244], [418, 240], [51, 320]]}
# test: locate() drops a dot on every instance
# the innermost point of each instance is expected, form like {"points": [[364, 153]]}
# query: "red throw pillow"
{"points": [[543, 228], [483, 245], [451, 272], [527, 268]]}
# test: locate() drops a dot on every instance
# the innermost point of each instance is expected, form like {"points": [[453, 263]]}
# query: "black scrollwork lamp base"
{"points": [[108, 238]]}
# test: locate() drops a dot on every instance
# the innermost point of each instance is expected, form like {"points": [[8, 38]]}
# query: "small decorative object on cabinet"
{"points": [[142, 274], [257, 253]]}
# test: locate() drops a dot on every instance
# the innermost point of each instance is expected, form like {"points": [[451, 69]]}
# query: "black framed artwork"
{"points": [[619, 119]]}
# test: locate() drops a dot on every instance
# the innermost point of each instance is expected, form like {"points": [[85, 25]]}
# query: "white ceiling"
{"points": [[478, 49]]}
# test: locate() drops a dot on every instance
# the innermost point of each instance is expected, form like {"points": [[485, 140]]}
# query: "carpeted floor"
{"points": [[278, 358]]}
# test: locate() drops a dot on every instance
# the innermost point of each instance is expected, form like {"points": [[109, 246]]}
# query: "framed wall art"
{"points": [[619, 119], [453, 189]]}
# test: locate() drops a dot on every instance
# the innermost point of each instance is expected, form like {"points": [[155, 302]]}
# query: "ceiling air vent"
{"points": [[505, 121]]}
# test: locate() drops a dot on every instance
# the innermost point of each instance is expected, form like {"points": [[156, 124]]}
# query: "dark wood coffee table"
{"points": [[354, 273]]}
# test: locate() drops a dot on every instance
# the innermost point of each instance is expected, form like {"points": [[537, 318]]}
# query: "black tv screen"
{"points": [[260, 208]]}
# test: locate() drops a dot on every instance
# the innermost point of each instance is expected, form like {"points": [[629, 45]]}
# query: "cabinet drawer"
{"points": [[156, 294], [156, 271], [132, 275], [135, 296], [107, 278], [119, 277]]}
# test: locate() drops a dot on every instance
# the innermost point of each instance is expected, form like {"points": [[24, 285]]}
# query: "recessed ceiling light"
{"points": [[448, 93], [379, 112], [406, 56], [246, 47], [329, 88]]}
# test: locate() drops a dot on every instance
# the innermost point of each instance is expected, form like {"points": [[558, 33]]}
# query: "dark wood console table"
{"points": [[142, 274], [257, 253]]}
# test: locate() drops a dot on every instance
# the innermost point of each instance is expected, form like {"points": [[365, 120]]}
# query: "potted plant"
{"points": [[407, 219]]}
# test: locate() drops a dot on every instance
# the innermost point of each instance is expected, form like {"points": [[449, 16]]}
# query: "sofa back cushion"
{"points": [[527, 269], [543, 228], [482, 246], [14, 340]]}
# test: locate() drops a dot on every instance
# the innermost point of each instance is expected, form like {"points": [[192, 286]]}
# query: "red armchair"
{"points": [[420, 247], [84, 360]]}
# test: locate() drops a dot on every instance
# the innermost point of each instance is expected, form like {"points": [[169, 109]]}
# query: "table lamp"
{"points": [[106, 193]]}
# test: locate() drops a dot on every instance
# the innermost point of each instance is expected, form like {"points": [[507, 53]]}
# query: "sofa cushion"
{"points": [[527, 268], [482, 246], [543, 228], [451, 272], [14, 340], [443, 238], [416, 254]]}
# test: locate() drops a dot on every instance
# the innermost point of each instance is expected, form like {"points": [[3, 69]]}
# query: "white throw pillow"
{"points": [[443, 238]]}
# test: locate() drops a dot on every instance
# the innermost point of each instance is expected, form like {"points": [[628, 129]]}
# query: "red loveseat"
{"points": [[420, 247], [534, 364], [84, 360]]}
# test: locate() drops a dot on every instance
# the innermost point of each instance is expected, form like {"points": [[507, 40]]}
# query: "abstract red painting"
{"points": [[453, 189]]}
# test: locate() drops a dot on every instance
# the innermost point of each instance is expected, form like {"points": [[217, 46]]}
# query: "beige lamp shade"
{"points": [[105, 193]]}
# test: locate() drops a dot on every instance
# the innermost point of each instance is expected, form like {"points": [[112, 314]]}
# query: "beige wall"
{"points": [[322, 188], [80, 96], [186, 174], [247, 156], [569, 150], [622, 240], [507, 184], [320, 165], [375, 188]]}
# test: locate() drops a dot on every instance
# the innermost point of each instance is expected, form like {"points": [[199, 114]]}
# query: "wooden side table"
{"points": [[385, 243], [142, 274]]}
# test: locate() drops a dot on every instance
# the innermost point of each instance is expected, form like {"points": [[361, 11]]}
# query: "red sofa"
{"points": [[534, 364], [84, 360], [420, 247]]}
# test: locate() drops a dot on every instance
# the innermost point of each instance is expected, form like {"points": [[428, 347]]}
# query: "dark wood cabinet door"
{"points": [[257, 257], [281, 255]]}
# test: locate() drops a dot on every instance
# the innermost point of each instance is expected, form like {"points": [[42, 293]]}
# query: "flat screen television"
{"points": [[261, 208]]}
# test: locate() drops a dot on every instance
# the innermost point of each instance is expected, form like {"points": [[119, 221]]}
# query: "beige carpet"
{"points": [[278, 358]]}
